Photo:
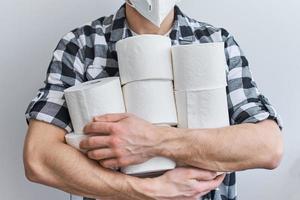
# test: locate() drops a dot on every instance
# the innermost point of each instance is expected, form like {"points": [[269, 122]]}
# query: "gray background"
{"points": [[268, 31]]}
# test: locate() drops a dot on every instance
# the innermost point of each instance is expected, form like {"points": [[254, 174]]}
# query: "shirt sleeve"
{"points": [[246, 103], [65, 70]]}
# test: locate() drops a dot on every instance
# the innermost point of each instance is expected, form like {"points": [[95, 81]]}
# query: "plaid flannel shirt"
{"points": [[89, 53]]}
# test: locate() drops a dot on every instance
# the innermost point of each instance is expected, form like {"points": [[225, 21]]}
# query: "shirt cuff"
{"points": [[254, 112], [49, 112]]}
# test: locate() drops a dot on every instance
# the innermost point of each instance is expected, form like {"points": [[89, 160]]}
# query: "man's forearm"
{"points": [[233, 148], [58, 165], [72, 172]]}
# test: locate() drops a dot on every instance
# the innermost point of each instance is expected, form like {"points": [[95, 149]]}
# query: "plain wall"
{"points": [[268, 31]]}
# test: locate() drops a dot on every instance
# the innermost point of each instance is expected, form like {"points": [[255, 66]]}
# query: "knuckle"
{"points": [[114, 142], [111, 142], [118, 153], [115, 128]]}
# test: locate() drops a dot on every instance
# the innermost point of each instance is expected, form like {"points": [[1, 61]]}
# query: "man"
{"points": [[87, 53]]}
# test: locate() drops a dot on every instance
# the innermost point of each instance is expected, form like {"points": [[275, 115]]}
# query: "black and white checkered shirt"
{"points": [[89, 53]]}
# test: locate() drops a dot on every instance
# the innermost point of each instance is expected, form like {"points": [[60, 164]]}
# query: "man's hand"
{"points": [[120, 140], [178, 184], [183, 184]]}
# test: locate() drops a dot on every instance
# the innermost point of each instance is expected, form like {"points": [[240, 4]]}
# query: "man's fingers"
{"points": [[115, 117], [100, 154], [95, 142], [109, 163], [98, 128], [217, 181], [200, 174], [119, 162], [210, 185]]}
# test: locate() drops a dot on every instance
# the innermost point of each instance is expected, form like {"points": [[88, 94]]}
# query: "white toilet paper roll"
{"points": [[94, 98], [74, 140], [144, 57], [202, 109], [152, 100], [199, 66], [156, 165]]}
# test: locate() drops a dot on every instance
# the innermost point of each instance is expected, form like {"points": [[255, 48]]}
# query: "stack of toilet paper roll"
{"points": [[148, 65], [90, 99], [145, 66], [200, 85]]}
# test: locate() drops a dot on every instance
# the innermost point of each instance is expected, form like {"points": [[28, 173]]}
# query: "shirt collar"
{"points": [[182, 30]]}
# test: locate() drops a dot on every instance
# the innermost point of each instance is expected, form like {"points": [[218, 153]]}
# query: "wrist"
{"points": [[143, 188], [168, 141]]}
